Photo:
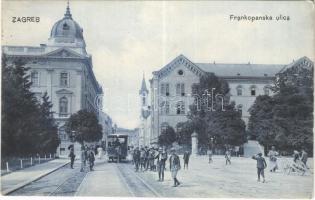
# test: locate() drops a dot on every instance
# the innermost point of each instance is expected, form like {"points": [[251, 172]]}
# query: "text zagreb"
{"points": [[25, 19]]}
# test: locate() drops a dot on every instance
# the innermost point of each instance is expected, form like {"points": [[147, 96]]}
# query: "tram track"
{"points": [[136, 185]]}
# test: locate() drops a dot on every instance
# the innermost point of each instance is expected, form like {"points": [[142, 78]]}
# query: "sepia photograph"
{"points": [[167, 99]]}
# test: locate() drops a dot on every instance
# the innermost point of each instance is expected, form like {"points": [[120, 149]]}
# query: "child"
{"points": [[261, 165]]}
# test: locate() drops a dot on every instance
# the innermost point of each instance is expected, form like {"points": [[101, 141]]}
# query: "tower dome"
{"points": [[67, 31]]}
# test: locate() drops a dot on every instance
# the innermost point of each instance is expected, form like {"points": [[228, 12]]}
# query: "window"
{"points": [[239, 90], [180, 89], [35, 78], [63, 107], [165, 108], [180, 108], [240, 108], [164, 127], [253, 91], [180, 72], [266, 90], [143, 101], [64, 79], [165, 89], [62, 134]]}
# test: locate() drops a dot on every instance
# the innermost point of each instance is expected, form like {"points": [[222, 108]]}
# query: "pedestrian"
{"points": [[83, 158], [136, 158], [209, 152], [261, 165], [227, 157], [142, 159], [161, 159], [304, 157], [72, 157], [273, 159], [146, 158], [186, 159], [174, 166], [91, 159], [100, 152]]}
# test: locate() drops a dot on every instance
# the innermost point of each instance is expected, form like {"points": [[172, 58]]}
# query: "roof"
{"points": [[143, 86], [248, 70]]}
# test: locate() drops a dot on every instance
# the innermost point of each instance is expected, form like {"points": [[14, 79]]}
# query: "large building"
{"points": [[64, 70], [171, 93]]}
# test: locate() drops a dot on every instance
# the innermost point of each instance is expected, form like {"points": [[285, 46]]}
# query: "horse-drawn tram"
{"points": [[117, 147]]}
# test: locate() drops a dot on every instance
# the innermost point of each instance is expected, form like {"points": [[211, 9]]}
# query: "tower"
{"points": [[144, 132]]}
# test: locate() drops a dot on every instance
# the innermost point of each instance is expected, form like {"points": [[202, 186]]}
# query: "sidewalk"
{"points": [[18, 179]]}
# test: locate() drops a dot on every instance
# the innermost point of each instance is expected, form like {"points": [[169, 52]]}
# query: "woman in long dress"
{"points": [[273, 159]]}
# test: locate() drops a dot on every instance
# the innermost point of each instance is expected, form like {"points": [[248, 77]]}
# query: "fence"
{"points": [[14, 163]]}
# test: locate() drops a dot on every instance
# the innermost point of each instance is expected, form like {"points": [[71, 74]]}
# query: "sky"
{"points": [[130, 38]]}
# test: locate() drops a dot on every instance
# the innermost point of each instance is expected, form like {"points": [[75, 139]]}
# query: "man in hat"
{"points": [[72, 156], [136, 158], [161, 159], [261, 165], [174, 166]]}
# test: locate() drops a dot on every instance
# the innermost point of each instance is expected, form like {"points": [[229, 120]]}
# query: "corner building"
{"points": [[171, 93], [64, 70]]}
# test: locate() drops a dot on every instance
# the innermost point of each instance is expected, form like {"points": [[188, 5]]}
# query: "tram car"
{"points": [[117, 147]]}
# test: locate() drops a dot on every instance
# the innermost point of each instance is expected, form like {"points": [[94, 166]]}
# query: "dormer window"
{"points": [[65, 26]]}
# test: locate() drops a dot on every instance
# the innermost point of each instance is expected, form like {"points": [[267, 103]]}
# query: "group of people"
{"points": [[87, 156], [154, 159], [299, 161]]}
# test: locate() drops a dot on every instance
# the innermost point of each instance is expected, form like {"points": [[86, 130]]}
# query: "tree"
{"points": [[184, 131], [85, 127], [19, 110], [48, 131], [286, 119], [27, 125], [213, 115], [167, 137]]}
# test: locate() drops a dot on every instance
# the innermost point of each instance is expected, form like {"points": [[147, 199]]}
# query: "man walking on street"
{"points": [[209, 152], [261, 165], [161, 159], [174, 166], [72, 157], [91, 159], [136, 158], [186, 159]]}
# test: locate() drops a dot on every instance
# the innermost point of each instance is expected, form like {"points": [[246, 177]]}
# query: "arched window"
{"points": [[64, 79], [34, 78], [63, 107], [164, 127], [239, 90], [240, 108], [180, 108], [253, 90], [266, 90]]}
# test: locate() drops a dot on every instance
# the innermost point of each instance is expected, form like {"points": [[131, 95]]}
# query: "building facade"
{"points": [[64, 70], [171, 93]]}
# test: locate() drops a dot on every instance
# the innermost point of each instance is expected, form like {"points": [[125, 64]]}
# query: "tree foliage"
{"points": [[85, 127], [212, 115], [25, 127], [167, 137], [286, 119]]}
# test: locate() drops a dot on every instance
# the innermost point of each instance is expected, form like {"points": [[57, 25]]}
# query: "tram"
{"points": [[117, 147]]}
